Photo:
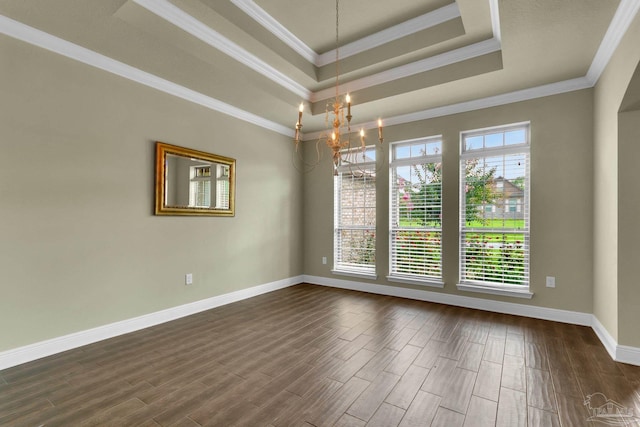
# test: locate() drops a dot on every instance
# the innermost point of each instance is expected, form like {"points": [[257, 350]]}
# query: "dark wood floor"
{"points": [[315, 356]]}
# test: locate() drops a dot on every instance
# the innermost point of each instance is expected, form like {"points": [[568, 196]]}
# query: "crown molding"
{"points": [[176, 16], [626, 12], [272, 25], [411, 26], [476, 104], [27, 34], [493, 101], [173, 14], [495, 20], [431, 63]]}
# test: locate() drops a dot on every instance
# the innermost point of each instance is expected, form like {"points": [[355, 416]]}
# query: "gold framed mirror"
{"points": [[194, 183]]}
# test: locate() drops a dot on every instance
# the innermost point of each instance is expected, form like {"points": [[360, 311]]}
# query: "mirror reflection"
{"points": [[196, 183], [191, 182]]}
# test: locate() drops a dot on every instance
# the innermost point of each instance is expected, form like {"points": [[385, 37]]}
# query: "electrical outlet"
{"points": [[188, 279], [551, 282], [324, 259]]}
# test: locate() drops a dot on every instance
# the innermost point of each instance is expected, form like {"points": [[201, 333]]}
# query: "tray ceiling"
{"points": [[398, 60]]}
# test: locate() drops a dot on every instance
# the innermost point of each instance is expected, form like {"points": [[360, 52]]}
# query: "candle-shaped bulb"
{"points": [[348, 99], [333, 136], [380, 129], [361, 133], [300, 114]]}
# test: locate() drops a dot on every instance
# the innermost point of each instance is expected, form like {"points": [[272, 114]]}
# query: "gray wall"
{"points": [[629, 236], [80, 246], [614, 288], [561, 198]]}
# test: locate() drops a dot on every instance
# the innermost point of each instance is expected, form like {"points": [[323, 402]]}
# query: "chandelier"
{"points": [[338, 136]]}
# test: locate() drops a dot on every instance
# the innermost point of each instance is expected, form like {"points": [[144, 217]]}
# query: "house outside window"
{"points": [[415, 229], [355, 213], [494, 243]]}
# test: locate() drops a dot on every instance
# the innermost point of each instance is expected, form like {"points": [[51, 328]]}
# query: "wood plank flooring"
{"points": [[315, 356]]}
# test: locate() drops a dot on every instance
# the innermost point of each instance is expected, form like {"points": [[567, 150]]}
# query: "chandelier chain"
{"points": [[337, 47]]}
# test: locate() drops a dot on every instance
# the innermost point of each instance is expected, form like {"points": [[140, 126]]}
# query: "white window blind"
{"points": [[200, 194], [355, 212], [416, 210], [200, 186], [222, 193], [494, 207], [222, 187]]}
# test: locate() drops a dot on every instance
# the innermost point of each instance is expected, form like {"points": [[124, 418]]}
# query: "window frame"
{"points": [[350, 164], [484, 286], [200, 186], [395, 273]]}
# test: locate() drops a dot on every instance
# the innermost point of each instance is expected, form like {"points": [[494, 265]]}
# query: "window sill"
{"points": [[413, 281], [350, 273], [495, 290]]}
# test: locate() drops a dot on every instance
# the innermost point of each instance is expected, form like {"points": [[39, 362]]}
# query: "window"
{"points": [[200, 186], [222, 187], [355, 213], [494, 243], [416, 211]]}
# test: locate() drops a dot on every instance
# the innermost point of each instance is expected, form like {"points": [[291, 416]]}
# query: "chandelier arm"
{"points": [[301, 166], [318, 151]]}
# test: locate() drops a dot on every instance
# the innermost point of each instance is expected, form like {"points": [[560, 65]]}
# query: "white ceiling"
{"points": [[402, 60]]}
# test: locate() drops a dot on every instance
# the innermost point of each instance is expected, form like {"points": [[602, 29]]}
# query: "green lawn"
{"points": [[489, 256], [497, 223], [489, 223]]}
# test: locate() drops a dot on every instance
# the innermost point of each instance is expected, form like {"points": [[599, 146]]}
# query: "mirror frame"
{"points": [[162, 150]]}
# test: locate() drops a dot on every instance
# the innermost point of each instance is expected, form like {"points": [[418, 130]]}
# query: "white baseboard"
{"points": [[563, 316], [619, 353], [626, 354], [28, 353], [42, 349], [605, 337]]}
